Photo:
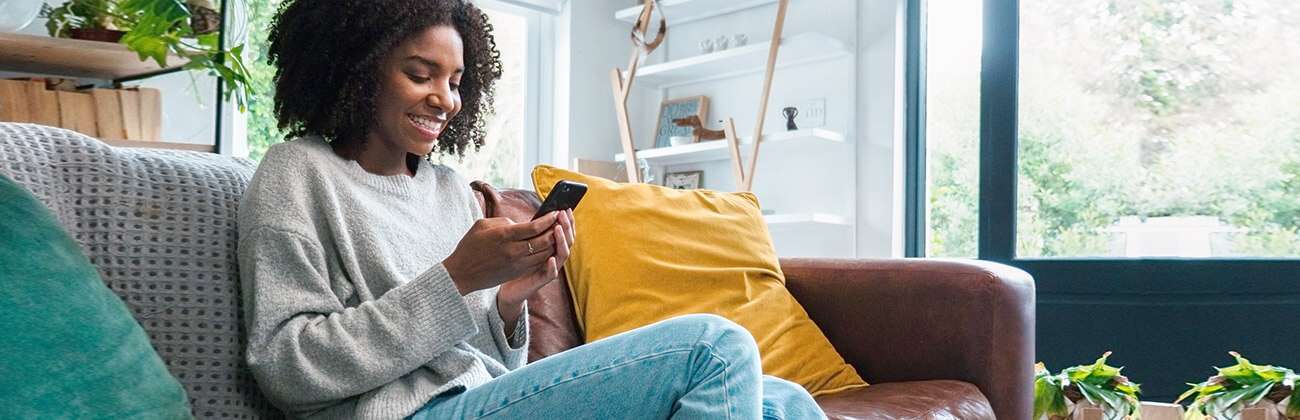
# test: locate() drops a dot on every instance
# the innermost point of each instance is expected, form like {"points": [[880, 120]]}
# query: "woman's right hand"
{"points": [[496, 250]]}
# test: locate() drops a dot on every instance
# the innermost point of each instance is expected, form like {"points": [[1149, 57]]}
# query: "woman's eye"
{"points": [[417, 79]]}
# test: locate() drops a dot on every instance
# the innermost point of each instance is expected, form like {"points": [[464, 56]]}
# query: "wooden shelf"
{"points": [[717, 149], [736, 61], [798, 220], [686, 11], [206, 148], [74, 58]]}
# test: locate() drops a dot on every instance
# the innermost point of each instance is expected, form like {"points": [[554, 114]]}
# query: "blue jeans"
{"points": [[689, 367]]}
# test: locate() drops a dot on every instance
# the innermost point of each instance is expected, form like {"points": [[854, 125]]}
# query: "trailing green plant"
{"points": [[1224, 396], [1098, 383], [154, 29]]}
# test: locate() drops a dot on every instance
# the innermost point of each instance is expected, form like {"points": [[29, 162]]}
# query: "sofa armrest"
{"points": [[917, 319]]}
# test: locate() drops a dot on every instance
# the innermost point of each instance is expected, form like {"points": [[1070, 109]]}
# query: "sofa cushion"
{"points": [[646, 253], [159, 225], [71, 348], [917, 400], [553, 326]]}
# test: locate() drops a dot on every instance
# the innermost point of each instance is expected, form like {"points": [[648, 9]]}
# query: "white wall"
{"points": [[590, 43], [861, 180], [881, 97]]}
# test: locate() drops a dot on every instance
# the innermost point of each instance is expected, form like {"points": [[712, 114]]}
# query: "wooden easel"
{"points": [[623, 88], [745, 178]]}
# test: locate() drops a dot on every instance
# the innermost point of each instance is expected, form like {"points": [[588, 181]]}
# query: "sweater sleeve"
{"points": [[512, 351], [308, 351]]}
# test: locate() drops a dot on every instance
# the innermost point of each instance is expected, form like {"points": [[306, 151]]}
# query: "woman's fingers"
{"points": [[521, 231], [561, 245], [569, 226], [541, 244], [543, 275], [552, 270]]}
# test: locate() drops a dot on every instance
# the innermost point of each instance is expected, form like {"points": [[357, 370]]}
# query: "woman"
{"points": [[373, 287]]}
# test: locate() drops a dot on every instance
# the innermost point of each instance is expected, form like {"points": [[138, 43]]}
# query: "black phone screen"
{"points": [[564, 196]]}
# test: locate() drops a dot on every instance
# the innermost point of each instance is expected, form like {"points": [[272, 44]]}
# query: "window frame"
{"points": [[1067, 288], [539, 139], [999, 150]]}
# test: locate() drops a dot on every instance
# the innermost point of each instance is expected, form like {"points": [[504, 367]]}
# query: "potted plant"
{"points": [[1057, 397], [154, 29], [1235, 389]]}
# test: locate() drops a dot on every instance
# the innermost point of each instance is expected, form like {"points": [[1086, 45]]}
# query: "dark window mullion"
{"points": [[998, 124], [916, 203]]}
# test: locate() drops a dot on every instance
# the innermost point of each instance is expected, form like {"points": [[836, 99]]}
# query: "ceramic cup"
{"points": [[739, 40], [679, 140], [706, 46]]}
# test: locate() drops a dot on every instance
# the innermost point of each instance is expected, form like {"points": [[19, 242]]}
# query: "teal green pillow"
{"points": [[69, 347]]}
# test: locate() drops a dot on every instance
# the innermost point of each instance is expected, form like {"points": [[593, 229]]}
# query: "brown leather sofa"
{"points": [[936, 339]]}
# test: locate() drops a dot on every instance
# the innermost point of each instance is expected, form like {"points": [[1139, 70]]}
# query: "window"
{"points": [[952, 127], [1145, 128], [500, 161], [1137, 158], [1159, 128], [512, 137]]}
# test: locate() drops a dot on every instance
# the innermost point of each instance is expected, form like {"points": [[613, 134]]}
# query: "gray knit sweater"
{"points": [[349, 311]]}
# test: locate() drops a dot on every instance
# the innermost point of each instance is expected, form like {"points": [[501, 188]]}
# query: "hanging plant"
{"points": [[1056, 396], [156, 28], [1226, 395]]}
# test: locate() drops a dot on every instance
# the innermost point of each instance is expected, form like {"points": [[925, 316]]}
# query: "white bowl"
{"points": [[680, 140], [17, 14]]}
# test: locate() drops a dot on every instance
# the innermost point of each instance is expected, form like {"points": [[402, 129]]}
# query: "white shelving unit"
{"points": [[686, 11], [804, 220], [799, 49], [798, 229], [717, 149]]}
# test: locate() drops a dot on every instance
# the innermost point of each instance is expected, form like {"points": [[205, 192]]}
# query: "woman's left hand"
{"points": [[513, 293]]}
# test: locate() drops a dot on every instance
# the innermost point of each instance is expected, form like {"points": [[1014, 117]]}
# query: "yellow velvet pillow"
{"points": [[646, 253]]}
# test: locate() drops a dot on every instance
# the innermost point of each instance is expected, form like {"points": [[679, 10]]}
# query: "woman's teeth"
{"points": [[425, 123]]}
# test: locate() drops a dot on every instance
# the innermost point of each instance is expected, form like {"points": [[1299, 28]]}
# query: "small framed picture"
{"points": [[673, 109], [688, 180]]}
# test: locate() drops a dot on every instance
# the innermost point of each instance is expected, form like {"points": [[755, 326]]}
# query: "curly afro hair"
{"points": [[327, 55]]}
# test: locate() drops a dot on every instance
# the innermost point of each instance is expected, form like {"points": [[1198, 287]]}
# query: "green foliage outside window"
{"points": [[262, 130], [1137, 108]]}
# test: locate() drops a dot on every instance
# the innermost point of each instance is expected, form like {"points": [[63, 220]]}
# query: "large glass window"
{"points": [[501, 159], [1158, 128], [952, 127]]}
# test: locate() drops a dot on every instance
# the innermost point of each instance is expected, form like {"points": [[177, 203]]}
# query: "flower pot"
{"points": [[1084, 410], [1161, 411], [1265, 410], [96, 34]]}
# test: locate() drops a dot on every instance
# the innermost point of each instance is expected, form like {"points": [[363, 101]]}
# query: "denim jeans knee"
{"points": [[722, 335]]}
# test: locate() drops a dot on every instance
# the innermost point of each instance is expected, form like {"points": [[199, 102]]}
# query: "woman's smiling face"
{"points": [[419, 92]]}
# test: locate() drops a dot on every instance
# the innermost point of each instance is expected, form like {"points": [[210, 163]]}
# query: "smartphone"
{"points": [[564, 196]]}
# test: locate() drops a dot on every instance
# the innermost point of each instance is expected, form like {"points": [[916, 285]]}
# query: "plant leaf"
{"points": [[1048, 398]]}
